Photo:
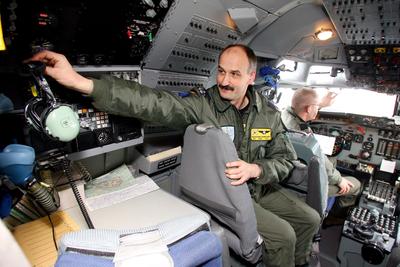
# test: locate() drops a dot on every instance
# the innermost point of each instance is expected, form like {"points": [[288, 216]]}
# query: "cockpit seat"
{"points": [[203, 182], [309, 152]]}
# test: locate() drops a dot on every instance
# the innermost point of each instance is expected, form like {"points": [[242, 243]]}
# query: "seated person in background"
{"points": [[305, 106], [236, 108]]}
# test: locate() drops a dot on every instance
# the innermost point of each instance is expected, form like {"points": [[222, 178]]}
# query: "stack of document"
{"points": [[115, 187]]}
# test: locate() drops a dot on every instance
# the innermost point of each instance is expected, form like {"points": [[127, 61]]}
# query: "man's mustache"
{"points": [[226, 87]]}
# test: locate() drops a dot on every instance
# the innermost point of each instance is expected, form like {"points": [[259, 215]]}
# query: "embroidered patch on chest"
{"points": [[229, 130], [261, 134]]}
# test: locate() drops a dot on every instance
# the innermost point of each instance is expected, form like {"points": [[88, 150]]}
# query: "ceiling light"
{"points": [[324, 34]]}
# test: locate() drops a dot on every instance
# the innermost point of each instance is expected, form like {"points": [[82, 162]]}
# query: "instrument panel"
{"points": [[87, 32], [360, 143]]}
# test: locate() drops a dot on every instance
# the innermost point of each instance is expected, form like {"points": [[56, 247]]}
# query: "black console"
{"points": [[368, 236], [370, 230]]}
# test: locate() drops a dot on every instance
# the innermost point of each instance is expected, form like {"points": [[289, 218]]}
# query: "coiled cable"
{"points": [[67, 171]]}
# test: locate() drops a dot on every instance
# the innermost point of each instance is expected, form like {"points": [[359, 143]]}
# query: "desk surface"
{"points": [[146, 210]]}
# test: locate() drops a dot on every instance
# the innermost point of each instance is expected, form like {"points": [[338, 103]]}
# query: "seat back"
{"points": [[309, 151], [202, 181]]}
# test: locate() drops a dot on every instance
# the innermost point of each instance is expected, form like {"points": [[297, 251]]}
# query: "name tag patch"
{"points": [[229, 130], [261, 134]]}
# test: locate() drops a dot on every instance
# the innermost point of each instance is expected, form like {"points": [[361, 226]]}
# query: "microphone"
{"points": [[17, 162]]}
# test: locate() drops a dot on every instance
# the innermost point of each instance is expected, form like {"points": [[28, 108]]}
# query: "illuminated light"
{"points": [[129, 33], [2, 44], [324, 34], [380, 50], [42, 23], [43, 15]]}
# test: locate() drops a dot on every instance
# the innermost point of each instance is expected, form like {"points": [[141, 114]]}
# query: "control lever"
{"points": [[374, 216], [363, 232]]}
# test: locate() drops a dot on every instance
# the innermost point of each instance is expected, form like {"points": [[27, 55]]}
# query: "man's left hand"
{"points": [[240, 171]]}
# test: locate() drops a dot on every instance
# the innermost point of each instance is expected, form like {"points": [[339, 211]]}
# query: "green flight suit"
{"points": [[292, 121], [287, 231]]}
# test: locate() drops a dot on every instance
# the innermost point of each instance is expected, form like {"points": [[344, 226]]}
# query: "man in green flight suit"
{"points": [[286, 224], [304, 108]]}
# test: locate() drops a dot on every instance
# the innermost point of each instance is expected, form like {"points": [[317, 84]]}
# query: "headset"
{"points": [[57, 120]]}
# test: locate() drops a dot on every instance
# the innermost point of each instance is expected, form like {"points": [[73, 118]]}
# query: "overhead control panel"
{"points": [[370, 29], [366, 22], [378, 65], [87, 32]]}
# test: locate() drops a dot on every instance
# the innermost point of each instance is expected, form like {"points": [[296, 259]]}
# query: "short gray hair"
{"points": [[303, 97]]}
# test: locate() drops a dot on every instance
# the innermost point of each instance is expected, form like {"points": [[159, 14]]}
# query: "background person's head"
{"points": [[305, 103], [237, 66]]}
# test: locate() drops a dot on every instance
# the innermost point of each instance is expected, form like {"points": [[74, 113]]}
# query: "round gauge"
{"points": [[370, 139], [102, 137], [335, 132], [365, 155], [368, 146], [352, 51], [348, 136], [358, 138]]}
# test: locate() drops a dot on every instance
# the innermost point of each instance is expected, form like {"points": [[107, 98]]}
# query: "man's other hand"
{"points": [[345, 186], [240, 171], [327, 100]]}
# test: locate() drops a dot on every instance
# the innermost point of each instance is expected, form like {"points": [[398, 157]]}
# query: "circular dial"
{"points": [[368, 146], [358, 138], [348, 136], [335, 132]]}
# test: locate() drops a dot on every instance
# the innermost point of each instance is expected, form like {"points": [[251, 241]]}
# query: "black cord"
{"points": [[53, 232], [77, 194], [51, 223]]}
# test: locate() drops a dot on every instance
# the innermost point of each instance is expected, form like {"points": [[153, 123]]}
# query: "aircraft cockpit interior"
{"points": [[89, 168]]}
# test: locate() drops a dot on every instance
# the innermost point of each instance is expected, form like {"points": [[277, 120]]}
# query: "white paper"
{"points": [[142, 249], [137, 244], [388, 166], [115, 187], [326, 143], [148, 260]]}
